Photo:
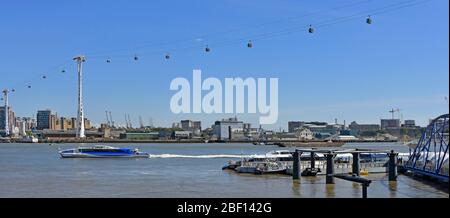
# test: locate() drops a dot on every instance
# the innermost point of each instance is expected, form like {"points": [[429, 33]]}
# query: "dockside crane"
{"points": [[141, 123], [150, 122], [129, 122], [111, 120], [108, 123], [126, 122]]}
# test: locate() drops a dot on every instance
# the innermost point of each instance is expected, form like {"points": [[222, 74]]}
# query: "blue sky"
{"points": [[349, 70]]}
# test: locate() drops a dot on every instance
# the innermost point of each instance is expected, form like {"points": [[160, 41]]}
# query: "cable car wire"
{"points": [[261, 36]]}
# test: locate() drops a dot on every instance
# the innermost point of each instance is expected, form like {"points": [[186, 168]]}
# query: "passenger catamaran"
{"points": [[103, 151]]}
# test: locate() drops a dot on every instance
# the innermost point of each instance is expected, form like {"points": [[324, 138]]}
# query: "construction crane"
{"points": [[392, 111]]}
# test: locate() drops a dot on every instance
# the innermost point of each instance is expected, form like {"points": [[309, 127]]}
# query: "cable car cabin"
{"points": [[369, 20]]}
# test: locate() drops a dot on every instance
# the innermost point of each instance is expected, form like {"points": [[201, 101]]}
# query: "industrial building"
{"points": [[140, 135], [390, 124], [223, 127], [357, 128]]}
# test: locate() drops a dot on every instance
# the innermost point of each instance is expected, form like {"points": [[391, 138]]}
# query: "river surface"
{"points": [[178, 170]]}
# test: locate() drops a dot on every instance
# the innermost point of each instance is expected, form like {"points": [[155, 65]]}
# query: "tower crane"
{"points": [[392, 111]]}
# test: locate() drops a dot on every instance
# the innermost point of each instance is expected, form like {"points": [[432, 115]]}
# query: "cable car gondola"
{"points": [[310, 30], [369, 20]]}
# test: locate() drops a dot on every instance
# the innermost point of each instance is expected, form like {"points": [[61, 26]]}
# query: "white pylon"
{"points": [[80, 116], [5, 97]]}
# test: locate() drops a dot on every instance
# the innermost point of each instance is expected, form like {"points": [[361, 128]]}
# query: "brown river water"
{"points": [[179, 170]]}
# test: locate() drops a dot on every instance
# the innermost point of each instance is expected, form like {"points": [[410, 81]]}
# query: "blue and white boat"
{"points": [[103, 151]]}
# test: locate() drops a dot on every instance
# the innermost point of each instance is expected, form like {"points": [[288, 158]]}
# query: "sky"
{"points": [[348, 70]]}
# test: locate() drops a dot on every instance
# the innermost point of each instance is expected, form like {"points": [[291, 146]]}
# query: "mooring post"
{"points": [[355, 164], [330, 168], [364, 190], [363, 181], [313, 160], [296, 165], [393, 166]]}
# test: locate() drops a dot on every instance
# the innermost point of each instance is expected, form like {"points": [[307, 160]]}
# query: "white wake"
{"points": [[199, 156]]}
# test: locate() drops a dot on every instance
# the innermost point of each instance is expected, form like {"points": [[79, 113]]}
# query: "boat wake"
{"points": [[199, 156]]}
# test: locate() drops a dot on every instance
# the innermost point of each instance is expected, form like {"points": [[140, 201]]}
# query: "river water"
{"points": [[177, 170]]}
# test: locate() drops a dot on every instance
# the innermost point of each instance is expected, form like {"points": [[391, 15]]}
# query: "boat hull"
{"points": [[245, 169], [278, 171], [87, 155]]}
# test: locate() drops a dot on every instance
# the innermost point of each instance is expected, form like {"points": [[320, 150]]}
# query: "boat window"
{"points": [[103, 150]]}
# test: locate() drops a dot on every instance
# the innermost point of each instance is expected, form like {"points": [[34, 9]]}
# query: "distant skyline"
{"points": [[348, 71]]}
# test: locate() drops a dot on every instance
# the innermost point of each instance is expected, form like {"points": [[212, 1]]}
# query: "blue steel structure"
{"points": [[430, 157]]}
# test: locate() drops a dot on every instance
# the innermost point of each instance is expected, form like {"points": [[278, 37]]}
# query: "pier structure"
{"points": [[296, 165], [355, 165], [330, 168], [330, 155], [330, 174], [430, 157]]}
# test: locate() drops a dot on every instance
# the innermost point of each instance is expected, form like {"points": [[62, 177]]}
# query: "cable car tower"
{"points": [[5, 97], [80, 115]]}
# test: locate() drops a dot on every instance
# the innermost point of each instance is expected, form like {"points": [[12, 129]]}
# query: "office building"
{"points": [[44, 119]]}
